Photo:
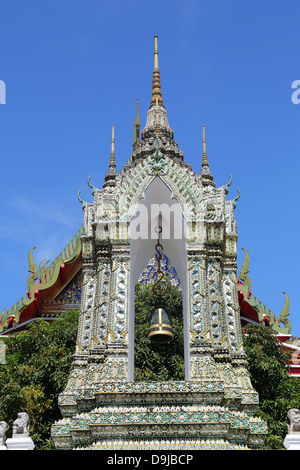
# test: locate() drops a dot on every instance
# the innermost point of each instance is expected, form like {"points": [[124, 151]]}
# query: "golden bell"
{"points": [[160, 328]]}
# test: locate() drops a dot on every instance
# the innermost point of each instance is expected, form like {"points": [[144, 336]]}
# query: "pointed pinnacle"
{"points": [[112, 152], [156, 86], [204, 160]]}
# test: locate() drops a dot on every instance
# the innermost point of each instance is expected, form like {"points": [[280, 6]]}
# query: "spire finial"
{"points": [[112, 170], [156, 87], [204, 161], [112, 152], [207, 177], [155, 53], [157, 125], [136, 127]]}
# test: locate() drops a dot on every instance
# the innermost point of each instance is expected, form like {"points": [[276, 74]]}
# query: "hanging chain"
{"points": [[158, 256]]}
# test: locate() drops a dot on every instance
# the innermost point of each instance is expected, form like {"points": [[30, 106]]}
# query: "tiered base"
{"points": [[158, 416], [167, 444]]}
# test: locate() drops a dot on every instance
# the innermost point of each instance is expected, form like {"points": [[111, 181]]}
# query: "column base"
{"points": [[292, 441], [20, 443]]}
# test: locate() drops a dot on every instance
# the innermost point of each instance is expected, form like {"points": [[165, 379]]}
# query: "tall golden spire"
{"points": [[156, 86], [157, 119]]}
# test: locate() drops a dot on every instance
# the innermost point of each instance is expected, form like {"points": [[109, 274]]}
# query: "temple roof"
{"points": [[43, 285]]}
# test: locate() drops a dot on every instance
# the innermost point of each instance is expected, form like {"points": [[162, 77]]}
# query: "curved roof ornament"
{"points": [[285, 312], [93, 188], [34, 274], [228, 184], [245, 271], [236, 198], [83, 203]]}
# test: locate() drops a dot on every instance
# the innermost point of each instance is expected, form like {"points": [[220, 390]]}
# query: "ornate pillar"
{"points": [[202, 364], [117, 337]]}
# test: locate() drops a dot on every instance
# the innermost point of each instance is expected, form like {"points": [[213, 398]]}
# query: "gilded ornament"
{"points": [[32, 269], [245, 271]]}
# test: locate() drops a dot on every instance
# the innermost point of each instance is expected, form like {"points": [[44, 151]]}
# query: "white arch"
{"points": [[181, 182], [141, 249]]}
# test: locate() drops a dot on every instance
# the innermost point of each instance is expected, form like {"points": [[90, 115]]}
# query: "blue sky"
{"points": [[72, 69]]}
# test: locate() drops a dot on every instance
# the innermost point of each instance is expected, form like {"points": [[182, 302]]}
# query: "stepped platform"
{"points": [[160, 415]]}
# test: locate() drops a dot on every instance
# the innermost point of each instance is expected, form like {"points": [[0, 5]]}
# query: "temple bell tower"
{"points": [[102, 406]]}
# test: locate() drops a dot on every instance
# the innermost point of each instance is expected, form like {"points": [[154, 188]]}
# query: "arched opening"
{"points": [[143, 237], [158, 361]]}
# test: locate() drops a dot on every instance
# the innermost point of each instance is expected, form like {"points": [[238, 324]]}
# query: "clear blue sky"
{"points": [[74, 68]]}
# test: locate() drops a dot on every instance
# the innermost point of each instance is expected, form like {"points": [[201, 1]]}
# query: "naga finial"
{"points": [[34, 274], [285, 312], [42, 270], [236, 198], [93, 188], [245, 270], [83, 203], [228, 184]]}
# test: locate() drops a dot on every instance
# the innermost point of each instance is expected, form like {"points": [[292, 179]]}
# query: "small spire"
{"points": [[136, 127], [112, 169], [207, 177], [157, 125], [112, 152], [155, 53], [204, 160], [156, 86]]}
